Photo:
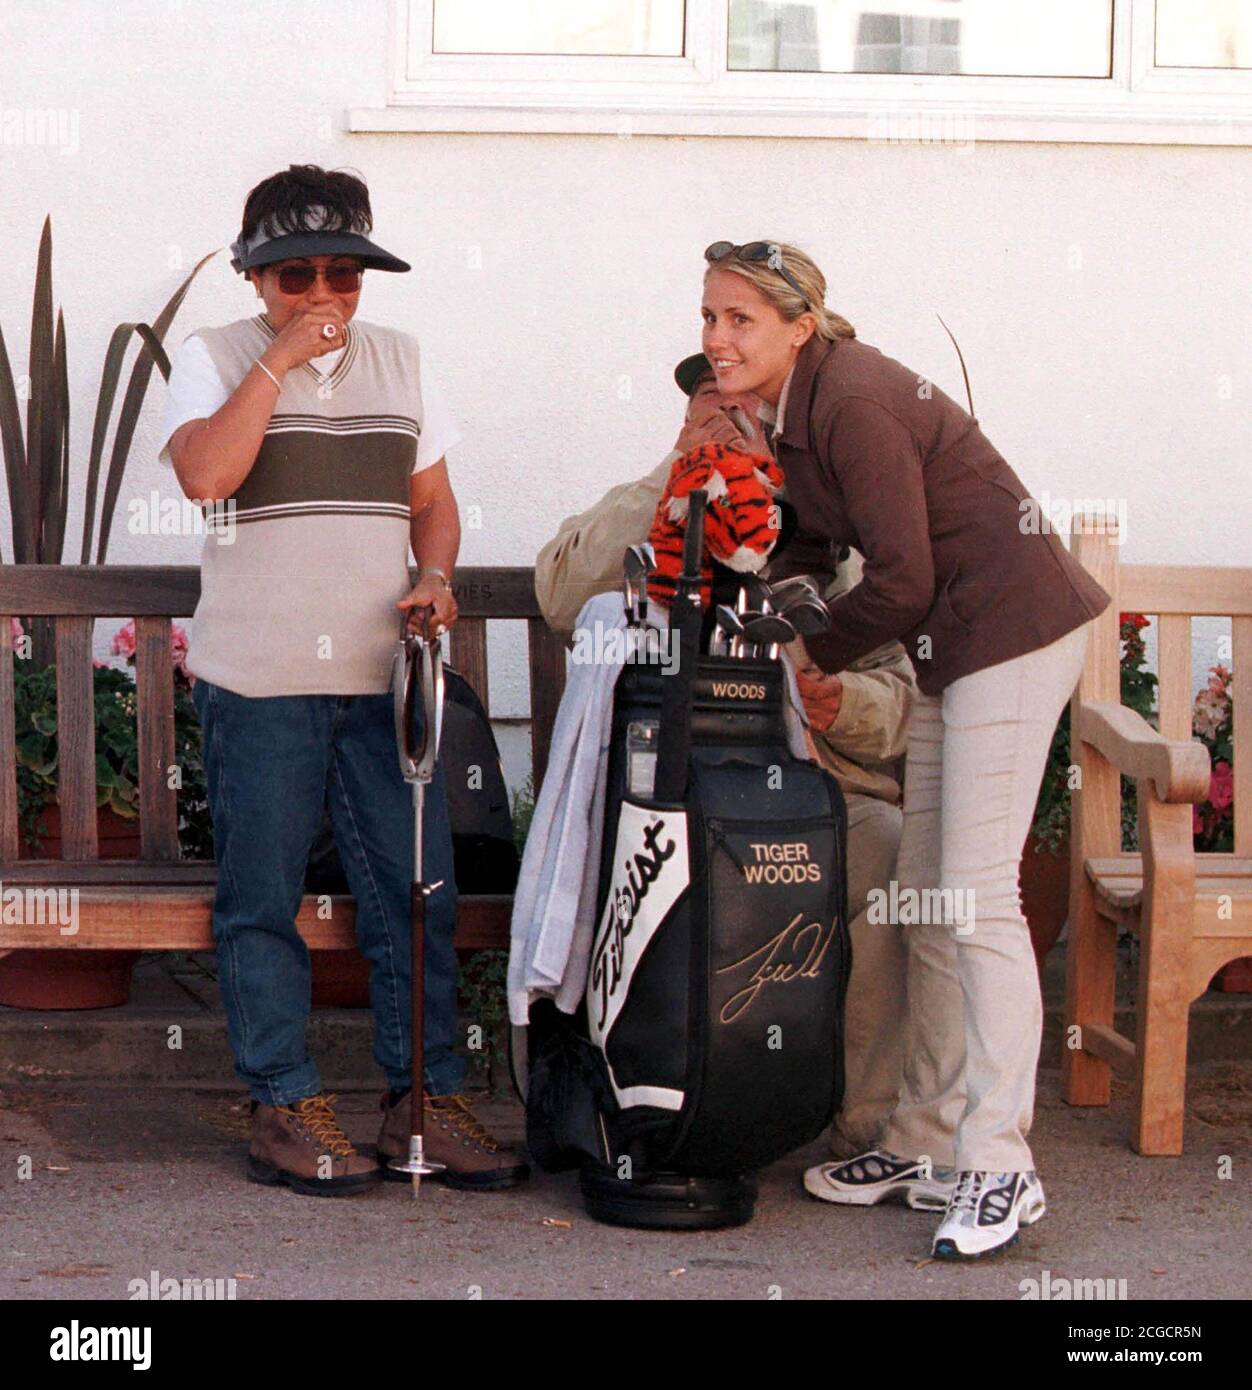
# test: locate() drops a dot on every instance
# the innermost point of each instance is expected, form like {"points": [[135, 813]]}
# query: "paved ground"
{"points": [[126, 1181]]}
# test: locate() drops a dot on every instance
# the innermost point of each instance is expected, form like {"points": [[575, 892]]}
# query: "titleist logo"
{"points": [[642, 870]]}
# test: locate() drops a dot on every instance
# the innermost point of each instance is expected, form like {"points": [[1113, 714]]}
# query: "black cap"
{"points": [[690, 370], [315, 243]]}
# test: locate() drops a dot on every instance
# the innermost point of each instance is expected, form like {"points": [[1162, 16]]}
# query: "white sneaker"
{"points": [[877, 1176], [985, 1212]]}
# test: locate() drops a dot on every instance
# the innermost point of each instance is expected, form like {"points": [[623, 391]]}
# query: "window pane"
{"points": [[627, 28], [1006, 38], [1203, 34]]}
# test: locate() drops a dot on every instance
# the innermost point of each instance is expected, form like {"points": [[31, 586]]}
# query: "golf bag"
{"points": [[709, 1043]]}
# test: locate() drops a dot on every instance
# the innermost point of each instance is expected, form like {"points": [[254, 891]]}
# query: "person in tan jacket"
{"points": [[858, 734]]}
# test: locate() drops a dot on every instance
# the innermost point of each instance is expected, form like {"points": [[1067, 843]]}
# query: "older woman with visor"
{"points": [[325, 438]]}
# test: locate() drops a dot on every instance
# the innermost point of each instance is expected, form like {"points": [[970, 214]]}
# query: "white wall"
{"points": [[1100, 293]]}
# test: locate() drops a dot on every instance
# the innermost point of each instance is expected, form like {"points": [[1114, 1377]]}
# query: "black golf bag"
{"points": [[709, 1043]]}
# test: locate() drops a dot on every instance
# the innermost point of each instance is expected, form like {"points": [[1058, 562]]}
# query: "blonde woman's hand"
{"points": [[820, 693]]}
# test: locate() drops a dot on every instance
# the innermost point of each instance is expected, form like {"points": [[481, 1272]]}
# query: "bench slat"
{"points": [[1241, 697], [113, 873], [1197, 590], [172, 591], [76, 737], [180, 919], [469, 655], [8, 746], [547, 681], [158, 802], [1174, 680]]}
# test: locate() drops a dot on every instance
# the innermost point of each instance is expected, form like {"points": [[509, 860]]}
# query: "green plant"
{"points": [[37, 463], [1050, 824], [484, 1000], [523, 807], [117, 748]]}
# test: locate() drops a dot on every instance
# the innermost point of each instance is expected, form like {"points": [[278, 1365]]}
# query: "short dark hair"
{"points": [[284, 202]]}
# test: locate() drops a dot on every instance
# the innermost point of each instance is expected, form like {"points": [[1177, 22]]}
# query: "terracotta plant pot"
{"points": [[341, 980], [68, 978], [1045, 896]]}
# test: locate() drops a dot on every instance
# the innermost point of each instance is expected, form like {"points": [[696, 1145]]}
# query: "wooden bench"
{"points": [[161, 901], [1192, 912]]}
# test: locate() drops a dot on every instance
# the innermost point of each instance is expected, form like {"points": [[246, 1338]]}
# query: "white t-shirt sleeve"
{"points": [[439, 430], [194, 391]]}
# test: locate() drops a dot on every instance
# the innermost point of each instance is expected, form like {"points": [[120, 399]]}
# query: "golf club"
{"points": [[649, 564], [785, 590], [767, 630], [630, 569], [808, 615], [417, 674], [728, 628]]}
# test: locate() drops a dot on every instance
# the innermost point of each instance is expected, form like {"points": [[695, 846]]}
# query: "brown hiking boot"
{"points": [[455, 1137], [302, 1145]]}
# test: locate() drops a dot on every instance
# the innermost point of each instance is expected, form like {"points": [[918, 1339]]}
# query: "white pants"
{"points": [[976, 756]]}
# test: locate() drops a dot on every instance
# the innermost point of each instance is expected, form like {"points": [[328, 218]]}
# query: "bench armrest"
{"points": [[1180, 768]]}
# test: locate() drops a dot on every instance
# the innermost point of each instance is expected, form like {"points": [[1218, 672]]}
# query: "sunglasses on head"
{"points": [[753, 253], [298, 279]]}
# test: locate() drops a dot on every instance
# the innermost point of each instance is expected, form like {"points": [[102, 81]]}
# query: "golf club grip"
{"points": [[674, 738]]}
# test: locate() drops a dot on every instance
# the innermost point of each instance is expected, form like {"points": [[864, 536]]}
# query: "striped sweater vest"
{"points": [[299, 585]]}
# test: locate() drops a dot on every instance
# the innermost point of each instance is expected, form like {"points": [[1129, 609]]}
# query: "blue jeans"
{"points": [[270, 763]]}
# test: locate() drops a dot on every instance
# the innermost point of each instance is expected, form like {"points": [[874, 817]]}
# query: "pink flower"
{"points": [[1222, 786], [124, 641], [16, 628], [1208, 715], [178, 647], [124, 645]]}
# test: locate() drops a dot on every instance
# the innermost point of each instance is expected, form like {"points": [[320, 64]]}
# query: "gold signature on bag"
{"points": [[796, 953]]}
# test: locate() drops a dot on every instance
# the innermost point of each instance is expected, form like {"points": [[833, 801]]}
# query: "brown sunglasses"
{"points": [[298, 279]]}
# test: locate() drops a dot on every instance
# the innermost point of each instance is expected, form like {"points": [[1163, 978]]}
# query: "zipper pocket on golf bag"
{"points": [[772, 978]]}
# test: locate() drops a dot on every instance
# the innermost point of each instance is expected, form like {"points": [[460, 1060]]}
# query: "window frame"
{"points": [[696, 95]]}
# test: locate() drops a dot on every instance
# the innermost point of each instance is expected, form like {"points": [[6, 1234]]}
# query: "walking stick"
{"points": [[417, 673]]}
